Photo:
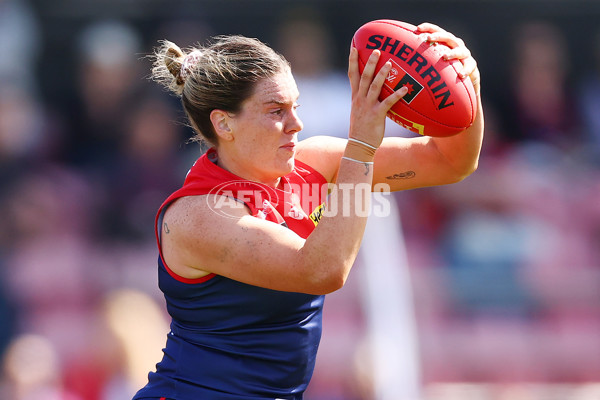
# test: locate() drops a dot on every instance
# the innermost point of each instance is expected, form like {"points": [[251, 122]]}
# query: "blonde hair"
{"points": [[220, 75]]}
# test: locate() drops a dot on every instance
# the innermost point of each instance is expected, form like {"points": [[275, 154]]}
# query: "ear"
{"points": [[222, 122]]}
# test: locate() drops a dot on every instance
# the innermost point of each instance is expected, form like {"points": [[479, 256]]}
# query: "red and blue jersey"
{"points": [[230, 340]]}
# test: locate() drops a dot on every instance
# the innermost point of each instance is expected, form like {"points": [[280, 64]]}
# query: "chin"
{"points": [[285, 169], [286, 164], [291, 164]]}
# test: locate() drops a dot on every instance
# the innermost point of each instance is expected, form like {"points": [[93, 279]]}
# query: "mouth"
{"points": [[289, 146]]}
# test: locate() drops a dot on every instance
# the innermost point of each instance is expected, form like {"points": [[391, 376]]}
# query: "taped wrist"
{"points": [[359, 151]]}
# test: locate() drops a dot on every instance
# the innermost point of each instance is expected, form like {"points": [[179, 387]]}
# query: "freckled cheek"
{"points": [[279, 126], [272, 131]]}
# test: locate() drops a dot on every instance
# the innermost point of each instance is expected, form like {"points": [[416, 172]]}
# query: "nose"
{"points": [[294, 123]]}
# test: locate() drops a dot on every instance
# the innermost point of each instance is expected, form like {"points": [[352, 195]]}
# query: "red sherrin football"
{"points": [[438, 102]]}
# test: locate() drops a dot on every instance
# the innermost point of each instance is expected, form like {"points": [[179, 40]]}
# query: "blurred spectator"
{"points": [[541, 104], [108, 77], [31, 369], [122, 137], [519, 258], [8, 313], [589, 103], [531, 225], [20, 44], [151, 163], [139, 325], [49, 261], [51, 269], [22, 138], [182, 29], [24, 133]]}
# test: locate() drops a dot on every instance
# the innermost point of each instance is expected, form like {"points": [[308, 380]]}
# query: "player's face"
{"points": [[266, 129]]}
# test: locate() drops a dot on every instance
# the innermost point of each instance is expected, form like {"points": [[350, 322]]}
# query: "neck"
{"points": [[245, 171]]}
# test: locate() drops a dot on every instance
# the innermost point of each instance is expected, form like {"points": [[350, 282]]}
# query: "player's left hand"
{"points": [[457, 51]]}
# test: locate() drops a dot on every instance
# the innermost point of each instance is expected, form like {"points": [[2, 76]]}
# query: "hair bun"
{"points": [[173, 58], [188, 64]]}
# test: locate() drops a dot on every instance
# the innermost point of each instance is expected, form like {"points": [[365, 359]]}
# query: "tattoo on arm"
{"points": [[367, 169], [166, 228], [402, 175]]}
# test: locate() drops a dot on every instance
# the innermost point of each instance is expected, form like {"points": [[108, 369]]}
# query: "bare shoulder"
{"points": [[187, 223], [200, 212], [323, 153], [217, 234]]}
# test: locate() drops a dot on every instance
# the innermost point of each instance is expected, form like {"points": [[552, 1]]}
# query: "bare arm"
{"points": [[427, 161]]}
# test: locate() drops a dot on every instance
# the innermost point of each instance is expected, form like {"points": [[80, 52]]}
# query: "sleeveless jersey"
{"points": [[231, 340]]}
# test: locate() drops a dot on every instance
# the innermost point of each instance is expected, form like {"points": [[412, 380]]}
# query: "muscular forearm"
{"points": [[331, 249]]}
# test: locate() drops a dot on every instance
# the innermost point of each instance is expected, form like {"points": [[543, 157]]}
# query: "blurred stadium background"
{"points": [[500, 273]]}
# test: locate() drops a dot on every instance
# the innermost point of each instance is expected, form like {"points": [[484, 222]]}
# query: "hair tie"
{"points": [[188, 63]]}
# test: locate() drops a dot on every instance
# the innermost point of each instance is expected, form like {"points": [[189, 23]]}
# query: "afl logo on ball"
{"points": [[398, 78]]}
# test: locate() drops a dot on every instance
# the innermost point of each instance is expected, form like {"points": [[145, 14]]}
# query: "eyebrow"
{"points": [[279, 102]]}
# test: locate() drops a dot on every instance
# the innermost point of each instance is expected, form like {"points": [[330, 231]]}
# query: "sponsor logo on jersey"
{"points": [[317, 214]]}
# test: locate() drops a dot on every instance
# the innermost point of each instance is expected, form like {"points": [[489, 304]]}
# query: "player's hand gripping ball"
{"points": [[439, 102]]}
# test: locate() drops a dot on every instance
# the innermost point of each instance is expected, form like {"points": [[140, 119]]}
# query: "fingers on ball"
{"points": [[380, 78]]}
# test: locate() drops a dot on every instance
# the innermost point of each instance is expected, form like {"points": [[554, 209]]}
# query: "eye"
{"points": [[277, 111]]}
